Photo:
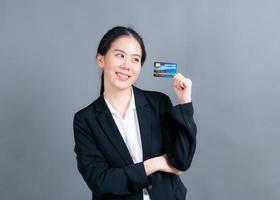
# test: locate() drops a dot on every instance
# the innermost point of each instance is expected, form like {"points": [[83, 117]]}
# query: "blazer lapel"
{"points": [[143, 110], [106, 121]]}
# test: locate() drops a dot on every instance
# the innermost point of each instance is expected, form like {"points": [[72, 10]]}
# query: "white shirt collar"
{"points": [[130, 107]]}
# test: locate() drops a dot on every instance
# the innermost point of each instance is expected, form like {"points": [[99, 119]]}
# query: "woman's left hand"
{"points": [[183, 88]]}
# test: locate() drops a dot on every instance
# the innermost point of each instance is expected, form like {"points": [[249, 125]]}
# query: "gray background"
{"points": [[229, 48]]}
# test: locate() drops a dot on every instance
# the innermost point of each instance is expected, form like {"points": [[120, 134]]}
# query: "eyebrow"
{"points": [[126, 53]]}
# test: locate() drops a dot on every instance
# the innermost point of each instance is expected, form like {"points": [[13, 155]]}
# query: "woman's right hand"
{"points": [[165, 166], [160, 163]]}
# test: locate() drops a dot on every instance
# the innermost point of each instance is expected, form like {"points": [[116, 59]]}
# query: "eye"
{"points": [[119, 55], [135, 60]]}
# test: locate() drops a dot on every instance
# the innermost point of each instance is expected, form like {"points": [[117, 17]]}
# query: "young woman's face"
{"points": [[121, 64]]}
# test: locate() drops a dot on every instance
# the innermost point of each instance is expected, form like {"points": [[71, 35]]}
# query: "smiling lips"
{"points": [[122, 76]]}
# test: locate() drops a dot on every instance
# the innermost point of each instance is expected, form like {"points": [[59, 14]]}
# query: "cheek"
{"points": [[110, 67], [137, 70], [111, 62]]}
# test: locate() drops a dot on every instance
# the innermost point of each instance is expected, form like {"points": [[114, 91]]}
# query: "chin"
{"points": [[123, 86]]}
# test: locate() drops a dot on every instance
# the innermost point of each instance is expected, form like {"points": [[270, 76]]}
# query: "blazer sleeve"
{"points": [[179, 130], [103, 180]]}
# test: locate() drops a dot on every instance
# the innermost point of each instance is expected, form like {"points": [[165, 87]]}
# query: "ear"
{"points": [[100, 60]]}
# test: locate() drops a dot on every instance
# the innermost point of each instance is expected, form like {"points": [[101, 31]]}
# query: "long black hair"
{"points": [[112, 35]]}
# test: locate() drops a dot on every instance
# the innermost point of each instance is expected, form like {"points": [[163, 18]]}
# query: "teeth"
{"points": [[122, 75]]}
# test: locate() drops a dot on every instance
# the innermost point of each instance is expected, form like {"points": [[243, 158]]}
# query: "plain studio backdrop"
{"points": [[229, 48]]}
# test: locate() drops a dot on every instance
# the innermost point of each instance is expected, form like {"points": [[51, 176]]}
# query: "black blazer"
{"points": [[105, 162]]}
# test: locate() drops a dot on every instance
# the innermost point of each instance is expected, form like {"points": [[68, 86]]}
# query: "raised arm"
{"points": [[179, 131]]}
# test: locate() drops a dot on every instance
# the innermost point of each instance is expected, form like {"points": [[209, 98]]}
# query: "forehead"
{"points": [[128, 44]]}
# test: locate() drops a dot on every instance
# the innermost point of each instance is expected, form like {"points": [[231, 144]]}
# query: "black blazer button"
{"points": [[149, 187]]}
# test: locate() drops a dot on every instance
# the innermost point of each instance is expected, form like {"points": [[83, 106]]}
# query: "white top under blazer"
{"points": [[130, 132]]}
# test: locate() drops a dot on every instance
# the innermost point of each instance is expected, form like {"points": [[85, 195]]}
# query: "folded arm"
{"points": [[103, 180], [179, 131]]}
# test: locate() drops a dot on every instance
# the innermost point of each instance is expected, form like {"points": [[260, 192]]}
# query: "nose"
{"points": [[125, 65]]}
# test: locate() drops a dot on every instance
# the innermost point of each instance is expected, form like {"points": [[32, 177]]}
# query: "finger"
{"points": [[180, 75], [182, 85], [178, 86], [177, 75], [188, 81], [176, 83], [180, 78], [174, 169], [177, 172], [179, 82]]}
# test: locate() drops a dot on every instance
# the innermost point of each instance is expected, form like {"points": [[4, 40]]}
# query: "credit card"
{"points": [[165, 69]]}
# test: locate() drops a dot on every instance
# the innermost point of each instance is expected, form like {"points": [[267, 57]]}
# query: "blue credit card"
{"points": [[165, 69]]}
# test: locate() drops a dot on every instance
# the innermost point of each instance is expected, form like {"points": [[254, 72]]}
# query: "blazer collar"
{"points": [[106, 121], [139, 97]]}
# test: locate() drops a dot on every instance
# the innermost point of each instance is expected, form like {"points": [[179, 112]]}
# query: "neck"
{"points": [[119, 99]]}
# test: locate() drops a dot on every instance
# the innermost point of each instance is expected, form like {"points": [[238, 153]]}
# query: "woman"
{"points": [[131, 143]]}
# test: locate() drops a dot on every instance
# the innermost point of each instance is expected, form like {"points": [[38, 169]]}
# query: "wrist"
{"points": [[157, 163], [151, 165], [183, 101]]}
